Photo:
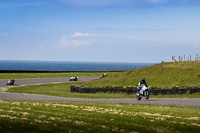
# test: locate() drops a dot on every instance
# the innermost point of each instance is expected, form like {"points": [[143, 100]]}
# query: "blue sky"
{"points": [[99, 30]]}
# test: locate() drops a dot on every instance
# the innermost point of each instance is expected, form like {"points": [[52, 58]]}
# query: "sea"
{"points": [[68, 65]]}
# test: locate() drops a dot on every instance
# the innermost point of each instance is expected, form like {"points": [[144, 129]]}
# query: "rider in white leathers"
{"points": [[142, 82]]}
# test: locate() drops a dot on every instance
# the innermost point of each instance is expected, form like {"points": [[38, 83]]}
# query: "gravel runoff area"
{"points": [[185, 102], [33, 81]]}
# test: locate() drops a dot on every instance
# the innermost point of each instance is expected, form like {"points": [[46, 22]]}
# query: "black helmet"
{"points": [[143, 79]]}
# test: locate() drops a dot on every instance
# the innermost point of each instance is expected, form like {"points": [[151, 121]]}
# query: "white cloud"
{"points": [[78, 34], [80, 43], [65, 42], [77, 39]]}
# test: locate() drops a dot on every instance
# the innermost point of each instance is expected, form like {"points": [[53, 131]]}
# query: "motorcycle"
{"points": [[102, 76], [74, 78], [143, 91], [11, 82]]}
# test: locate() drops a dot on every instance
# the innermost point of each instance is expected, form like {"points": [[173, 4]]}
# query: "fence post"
{"points": [[184, 57]]}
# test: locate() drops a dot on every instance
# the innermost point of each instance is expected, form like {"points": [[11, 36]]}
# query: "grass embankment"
{"points": [[29, 116], [49, 75], [164, 75], [63, 90]]}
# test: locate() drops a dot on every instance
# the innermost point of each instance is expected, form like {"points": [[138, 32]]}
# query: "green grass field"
{"points": [[35, 116], [164, 75], [47, 116]]}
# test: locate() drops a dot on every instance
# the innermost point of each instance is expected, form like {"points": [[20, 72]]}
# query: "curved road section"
{"points": [[19, 82], [190, 102], [186, 102]]}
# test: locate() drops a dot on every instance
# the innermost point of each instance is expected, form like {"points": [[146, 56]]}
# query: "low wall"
{"points": [[131, 90]]}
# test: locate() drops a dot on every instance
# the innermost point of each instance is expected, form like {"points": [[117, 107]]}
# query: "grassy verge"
{"points": [[63, 90], [29, 116], [49, 75]]}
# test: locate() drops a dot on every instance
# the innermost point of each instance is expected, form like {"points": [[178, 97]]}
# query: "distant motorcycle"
{"points": [[11, 82], [143, 91], [104, 75], [74, 78], [101, 76]]}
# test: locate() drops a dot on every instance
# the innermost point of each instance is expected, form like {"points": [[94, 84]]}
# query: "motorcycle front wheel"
{"points": [[147, 95], [138, 97]]}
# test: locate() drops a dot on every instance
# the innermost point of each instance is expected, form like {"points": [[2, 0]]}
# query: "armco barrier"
{"points": [[131, 90]]}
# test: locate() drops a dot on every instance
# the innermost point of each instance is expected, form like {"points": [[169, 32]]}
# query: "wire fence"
{"points": [[185, 58]]}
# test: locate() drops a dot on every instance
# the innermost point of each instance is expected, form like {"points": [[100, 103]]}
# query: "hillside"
{"points": [[164, 75]]}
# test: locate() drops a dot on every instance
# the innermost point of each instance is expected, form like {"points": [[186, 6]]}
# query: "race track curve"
{"points": [[185, 102], [33, 81], [191, 102]]}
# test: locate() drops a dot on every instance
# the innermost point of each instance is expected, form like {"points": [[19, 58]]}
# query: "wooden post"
{"points": [[184, 57], [190, 58], [179, 59], [174, 58], [197, 56]]}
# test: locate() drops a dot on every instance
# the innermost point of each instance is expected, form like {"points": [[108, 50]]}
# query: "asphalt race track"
{"points": [[33, 81], [190, 102]]}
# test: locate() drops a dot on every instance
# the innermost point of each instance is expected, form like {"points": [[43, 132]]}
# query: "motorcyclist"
{"points": [[104, 75], [11, 82], [75, 78], [142, 82]]}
